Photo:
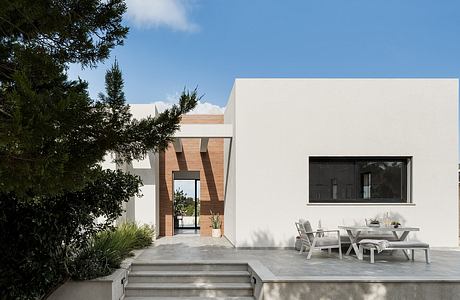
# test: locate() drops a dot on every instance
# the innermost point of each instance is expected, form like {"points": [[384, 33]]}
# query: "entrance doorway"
{"points": [[186, 206]]}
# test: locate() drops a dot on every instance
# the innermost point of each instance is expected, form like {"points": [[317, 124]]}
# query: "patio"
{"points": [[291, 275], [285, 263]]}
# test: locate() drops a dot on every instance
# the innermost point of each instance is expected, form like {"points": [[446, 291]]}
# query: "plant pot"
{"points": [[216, 233], [298, 243]]}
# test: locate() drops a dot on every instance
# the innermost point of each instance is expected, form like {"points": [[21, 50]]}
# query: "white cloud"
{"points": [[207, 108], [156, 13], [161, 106], [204, 108]]}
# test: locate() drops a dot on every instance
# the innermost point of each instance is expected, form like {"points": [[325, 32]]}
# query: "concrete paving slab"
{"points": [[289, 265]]}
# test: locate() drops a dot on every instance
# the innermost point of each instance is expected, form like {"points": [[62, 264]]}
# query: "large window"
{"points": [[359, 180]]}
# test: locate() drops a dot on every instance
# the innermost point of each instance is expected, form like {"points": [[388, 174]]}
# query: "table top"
{"points": [[382, 228]]}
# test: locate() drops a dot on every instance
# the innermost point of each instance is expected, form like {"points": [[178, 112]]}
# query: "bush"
{"points": [[136, 236], [40, 239], [105, 252]]}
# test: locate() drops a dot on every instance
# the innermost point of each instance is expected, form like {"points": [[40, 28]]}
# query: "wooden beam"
{"points": [[204, 145], [177, 144]]}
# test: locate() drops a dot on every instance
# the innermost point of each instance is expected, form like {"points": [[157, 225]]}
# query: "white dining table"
{"points": [[354, 232]]}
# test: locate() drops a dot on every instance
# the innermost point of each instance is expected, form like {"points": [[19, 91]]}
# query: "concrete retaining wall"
{"points": [[360, 290], [111, 287], [104, 288]]}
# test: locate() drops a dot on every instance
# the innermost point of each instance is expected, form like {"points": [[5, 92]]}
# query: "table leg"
{"points": [[352, 238], [354, 245], [402, 238]]}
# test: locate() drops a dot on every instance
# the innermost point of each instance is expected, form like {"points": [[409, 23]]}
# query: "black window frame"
{"points": [[406, 191]]}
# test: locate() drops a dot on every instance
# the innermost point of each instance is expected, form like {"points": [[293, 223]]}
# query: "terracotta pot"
{"points": [[216, 233]]}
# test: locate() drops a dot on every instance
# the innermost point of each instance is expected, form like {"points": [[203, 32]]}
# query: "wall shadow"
{"points": [[181, 161], [209, 175]]}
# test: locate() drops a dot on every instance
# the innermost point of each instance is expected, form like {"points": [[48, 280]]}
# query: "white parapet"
{"points": [[205, 131]]}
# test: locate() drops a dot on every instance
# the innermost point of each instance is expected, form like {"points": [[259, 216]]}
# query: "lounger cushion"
{"points": [[408, 244], [326, 241]]}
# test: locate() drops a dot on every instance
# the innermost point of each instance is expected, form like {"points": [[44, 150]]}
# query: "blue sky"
{"points": [[188, 186], [209, 43]]}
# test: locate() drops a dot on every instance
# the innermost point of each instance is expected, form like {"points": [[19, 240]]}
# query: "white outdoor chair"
{"points": [[317, 239]]}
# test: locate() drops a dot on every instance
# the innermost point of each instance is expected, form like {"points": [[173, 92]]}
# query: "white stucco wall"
{"points": [[143, 209], [279, 123], [229, 173], [109, 162]]}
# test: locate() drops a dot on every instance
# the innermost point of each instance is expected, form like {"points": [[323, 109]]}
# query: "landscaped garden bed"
{"points": [[100, 270]]}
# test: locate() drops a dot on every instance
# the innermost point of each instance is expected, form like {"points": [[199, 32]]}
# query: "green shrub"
{"points": [[40, 238], [105, 252], [142, 235]]}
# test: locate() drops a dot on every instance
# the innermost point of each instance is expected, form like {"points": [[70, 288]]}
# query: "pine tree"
{"points": [[53, 137]]}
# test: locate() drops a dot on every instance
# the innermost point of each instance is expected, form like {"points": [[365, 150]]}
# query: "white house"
{"points": [[333, 151]]}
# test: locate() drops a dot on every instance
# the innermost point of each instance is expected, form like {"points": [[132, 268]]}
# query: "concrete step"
{"points": [[189, 276], [189, 298], [188, 289], [188, 266]]}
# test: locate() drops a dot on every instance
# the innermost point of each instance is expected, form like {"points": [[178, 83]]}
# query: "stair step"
{"points": [[188, 266], [188, 286], [189, 298], [189, 276], [189, 289]]}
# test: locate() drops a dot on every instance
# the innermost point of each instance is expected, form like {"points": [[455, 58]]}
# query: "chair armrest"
{"points": [[319, 233], [332, 230]]}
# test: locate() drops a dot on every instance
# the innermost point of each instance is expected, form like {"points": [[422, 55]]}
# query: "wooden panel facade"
{"points": [[211, 167]]}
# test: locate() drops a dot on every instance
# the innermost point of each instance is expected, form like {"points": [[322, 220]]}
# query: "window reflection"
{"points": [[358, 180]]}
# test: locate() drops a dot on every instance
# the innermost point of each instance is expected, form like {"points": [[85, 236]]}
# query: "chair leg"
{"points": [[310, 253], [340, 252], [372, 255], [312, 246], [361, 251], [412, 252], [427, 256], [303, 248], [329, 251]]}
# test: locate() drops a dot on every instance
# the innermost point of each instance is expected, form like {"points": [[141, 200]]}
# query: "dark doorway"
{"points": [[186, 208]]}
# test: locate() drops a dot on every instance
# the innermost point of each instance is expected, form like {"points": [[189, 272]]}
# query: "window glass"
{"points": [[358, 180]]}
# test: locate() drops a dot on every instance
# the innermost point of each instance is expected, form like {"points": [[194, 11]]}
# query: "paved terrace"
{"points": [[289, 265]]}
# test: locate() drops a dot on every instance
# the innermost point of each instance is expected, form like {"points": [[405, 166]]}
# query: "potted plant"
{"points": [[374, 222], [215, 224]]}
